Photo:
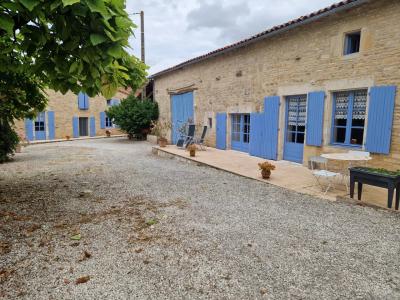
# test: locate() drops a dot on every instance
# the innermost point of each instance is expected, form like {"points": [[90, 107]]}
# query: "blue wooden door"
{"points": [[181, 113], [296, 109], [221, 131], [40, 126], [240, 132], [271, 119]]}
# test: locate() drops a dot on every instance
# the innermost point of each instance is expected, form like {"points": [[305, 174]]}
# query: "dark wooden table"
{"points": [[366, 176]]}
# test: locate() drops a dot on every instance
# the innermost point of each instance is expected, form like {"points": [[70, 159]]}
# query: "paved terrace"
{"points": [[287, 174]]}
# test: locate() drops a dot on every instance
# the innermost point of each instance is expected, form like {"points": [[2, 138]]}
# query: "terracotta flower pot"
{"points": [[266, 174], [18, 148], [67, 137], [192, 153], [162, 142]]}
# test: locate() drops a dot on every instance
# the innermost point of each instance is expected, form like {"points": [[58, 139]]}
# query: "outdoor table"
{"points": [[369, 176], [346, 159]]}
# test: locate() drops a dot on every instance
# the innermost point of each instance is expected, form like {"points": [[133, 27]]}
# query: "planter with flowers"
{"points": [[266, 168], [160, 129]]}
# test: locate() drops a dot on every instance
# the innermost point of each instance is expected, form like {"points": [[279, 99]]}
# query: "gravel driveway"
{"points": [[106, 219]]}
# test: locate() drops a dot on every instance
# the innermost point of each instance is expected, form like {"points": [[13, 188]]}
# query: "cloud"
{"points": [[216, 15], [177, 30]]}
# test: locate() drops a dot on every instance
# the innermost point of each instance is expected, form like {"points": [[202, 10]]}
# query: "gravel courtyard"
{"points": [[106, 219]]}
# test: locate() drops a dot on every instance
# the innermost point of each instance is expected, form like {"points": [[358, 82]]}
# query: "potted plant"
{"points": [[266, 168], [108, 133], [160, 129], [192, 150], [67, 137]]}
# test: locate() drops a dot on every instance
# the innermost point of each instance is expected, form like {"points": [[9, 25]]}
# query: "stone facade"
{"points": [[65, 107], [304, 59]]}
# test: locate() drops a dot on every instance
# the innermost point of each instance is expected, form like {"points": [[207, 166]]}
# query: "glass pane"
{"points": [[301, 129], [300, 138], [236, 136], [246, 138], [357, 136], [339, 135], [302, 110], [341, 105], [341, 122], [359, 107], [291, 137]]}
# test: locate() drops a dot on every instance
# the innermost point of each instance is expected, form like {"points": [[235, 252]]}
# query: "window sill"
{"points": [[346, 146], [351, 56]]}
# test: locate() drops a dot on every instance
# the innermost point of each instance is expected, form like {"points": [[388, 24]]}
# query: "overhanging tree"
{"points": [[77, 45]]}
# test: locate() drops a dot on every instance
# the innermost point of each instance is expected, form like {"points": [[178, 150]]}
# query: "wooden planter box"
{"points": [[370, 176]]}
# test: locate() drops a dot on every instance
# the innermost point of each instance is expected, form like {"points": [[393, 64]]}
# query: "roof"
{"points": [[312, 17]]}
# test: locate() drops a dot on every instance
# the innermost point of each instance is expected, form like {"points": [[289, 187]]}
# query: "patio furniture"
{"points": [[388, 180], [322, 174], [346, 161], [200, 141], [190, 136]]}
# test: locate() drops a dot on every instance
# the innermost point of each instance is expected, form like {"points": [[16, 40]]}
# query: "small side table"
{"points": [[366, 176]]}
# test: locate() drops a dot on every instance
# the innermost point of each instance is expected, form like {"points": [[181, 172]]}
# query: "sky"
{"points": [[177, 30]]}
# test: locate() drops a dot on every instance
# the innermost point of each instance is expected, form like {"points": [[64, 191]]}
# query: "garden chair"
{"points": [[200, 141], [323, 177], [186, 139]]}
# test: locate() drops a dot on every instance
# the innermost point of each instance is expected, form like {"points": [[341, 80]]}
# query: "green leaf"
{"points": [[6, 23], [109, 89], [123, 22], [76, 237], [30, 4], [98, 6], [73, 67], [115, 51], [70, 2], [97, 39]]}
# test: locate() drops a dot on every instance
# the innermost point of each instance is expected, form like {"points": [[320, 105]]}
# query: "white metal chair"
{"points": [[322, 175]]}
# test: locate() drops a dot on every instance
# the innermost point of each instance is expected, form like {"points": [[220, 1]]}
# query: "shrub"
{"points": [[133, 115], [8, 140]]}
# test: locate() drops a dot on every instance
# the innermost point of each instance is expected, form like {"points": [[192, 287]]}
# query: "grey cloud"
{"points": [[216, 15], [177, 30]]}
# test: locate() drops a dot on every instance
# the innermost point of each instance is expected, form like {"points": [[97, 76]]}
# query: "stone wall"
{"points": [[307, 58]]}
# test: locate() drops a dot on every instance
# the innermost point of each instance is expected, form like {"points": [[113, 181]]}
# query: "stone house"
{"points": [[71, 115], [325, 82]]}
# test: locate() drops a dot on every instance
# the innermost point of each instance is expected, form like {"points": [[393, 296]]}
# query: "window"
{"points": [[109, 102], [349, 117], [109, 122], [352, 43], [236, 127], [296, 118], [210, 123], [39, 122]]}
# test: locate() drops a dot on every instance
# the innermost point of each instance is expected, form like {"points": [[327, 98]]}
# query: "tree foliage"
{"points": [[8, 140], [133, 115], [76, 45]]}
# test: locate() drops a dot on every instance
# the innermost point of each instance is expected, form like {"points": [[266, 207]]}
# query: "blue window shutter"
{"points": [[102, 120], [221, 131], [51, 125], [92, 126], [29, 129], [75, 127], [258, 144], [271, 111], [86, 105], [380, 119], [315, 118]]}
